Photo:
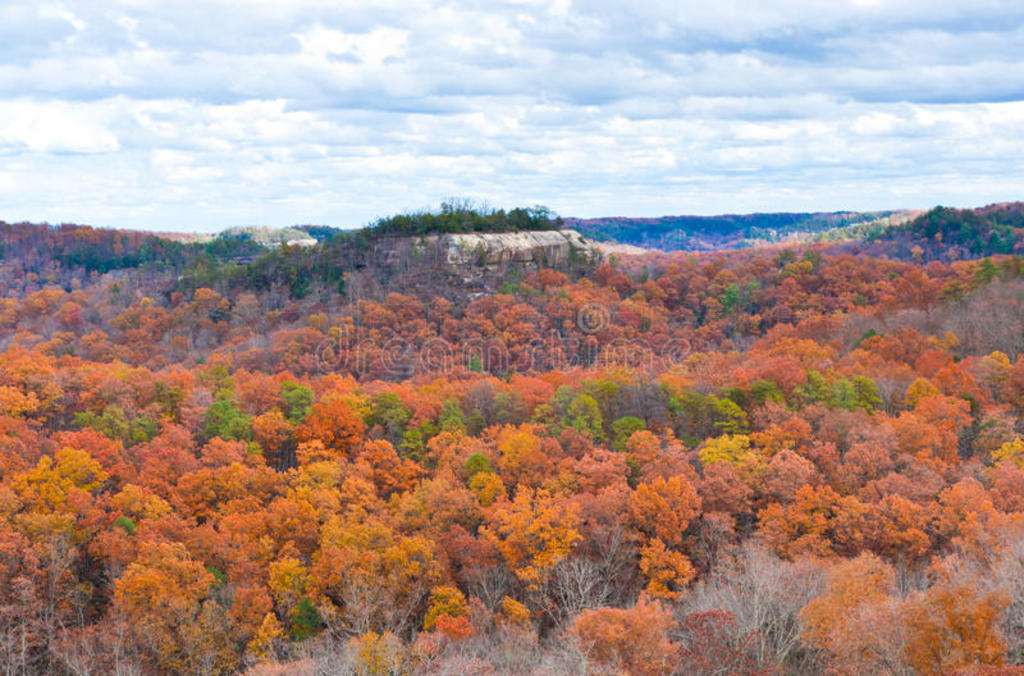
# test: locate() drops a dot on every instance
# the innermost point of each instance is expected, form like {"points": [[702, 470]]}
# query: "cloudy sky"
{"points": [[201, 115]]}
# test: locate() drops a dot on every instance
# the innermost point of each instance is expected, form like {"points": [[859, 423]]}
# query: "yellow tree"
{"points": [[262, 646], [15, 403], [736, 450], [1011, 451], [663, 508], [290, 583], [444, 601], [48, 485], [164, 599], [533, 533], [371, 577], [667, 571], [521, 458], [59, 513], [488, 488]]}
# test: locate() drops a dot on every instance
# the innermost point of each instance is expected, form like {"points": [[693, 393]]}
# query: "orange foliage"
{"points": [[635, 641], [598, 452]]}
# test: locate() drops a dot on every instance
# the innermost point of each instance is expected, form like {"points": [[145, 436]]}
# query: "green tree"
{"points": [[585, 416], [815, 389], [865, 393], [414, 441], [113, 423], [476, 464], [730, 418], [842, 395], [476, 423], [298, 402], [762, 391], [623, 429], [731, 299], [387, 411], [224, 420], [305, 621], [452, 419]]}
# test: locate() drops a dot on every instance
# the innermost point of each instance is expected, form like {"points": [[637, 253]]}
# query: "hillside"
{"points": [[713, 233], [953, 234], [500, 452], [455, 252], [454, 266]]}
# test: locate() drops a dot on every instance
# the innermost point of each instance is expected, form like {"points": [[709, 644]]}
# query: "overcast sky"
{"points": [[202, 115]]}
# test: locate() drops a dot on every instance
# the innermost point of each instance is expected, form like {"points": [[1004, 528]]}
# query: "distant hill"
{"points": [[471, 247], [272, 237], [946, 234], [712, 233]]}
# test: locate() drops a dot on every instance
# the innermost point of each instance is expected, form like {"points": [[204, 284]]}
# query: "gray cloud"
{"points": [[203, 115]]}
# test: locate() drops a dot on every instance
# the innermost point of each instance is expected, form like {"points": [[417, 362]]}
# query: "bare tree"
{"points": [[577, 583], [490, 584], [765, 595]]}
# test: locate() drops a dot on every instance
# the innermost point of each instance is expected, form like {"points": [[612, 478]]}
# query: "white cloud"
{"points": [[373, 48], [875, 123], [205, 115], [54, 127]]}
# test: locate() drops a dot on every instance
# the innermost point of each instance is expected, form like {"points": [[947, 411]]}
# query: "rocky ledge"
{"points": [[466, 264], [543, 248]]}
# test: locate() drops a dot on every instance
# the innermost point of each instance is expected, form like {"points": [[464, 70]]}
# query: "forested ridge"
{"points": [[712, 233], [457, 216], [941, 233], [220, 458], [254, 259], [952, 234]]}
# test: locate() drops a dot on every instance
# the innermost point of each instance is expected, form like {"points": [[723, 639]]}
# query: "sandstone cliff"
{"points": [[471, 262]]}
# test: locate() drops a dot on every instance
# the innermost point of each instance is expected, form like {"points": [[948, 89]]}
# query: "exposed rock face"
{"points": [[544, 247], [464, 252], [472, 262]]}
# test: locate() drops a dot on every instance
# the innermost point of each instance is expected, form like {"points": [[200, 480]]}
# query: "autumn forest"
{"points": [[360, 457]]}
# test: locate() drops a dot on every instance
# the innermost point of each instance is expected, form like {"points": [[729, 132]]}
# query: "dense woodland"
{"points": [[462, 216], [953, 234], [713, 233], [780, 460]]}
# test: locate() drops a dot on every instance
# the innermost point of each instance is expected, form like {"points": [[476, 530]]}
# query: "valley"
{"points": [[445, 443]]}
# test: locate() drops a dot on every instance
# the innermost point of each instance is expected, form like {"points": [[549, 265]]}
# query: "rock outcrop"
{"points": [[469, 262], [546, 248]]}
